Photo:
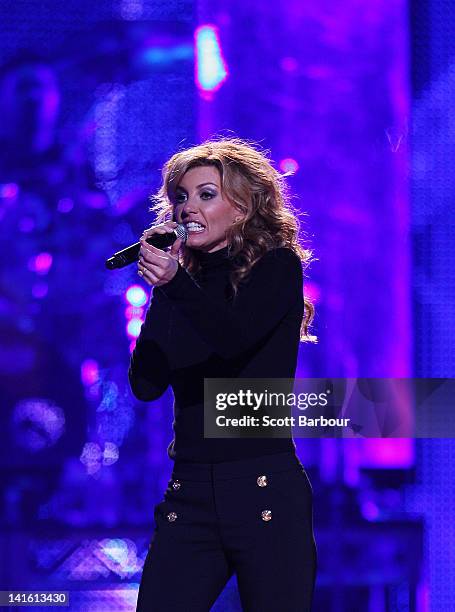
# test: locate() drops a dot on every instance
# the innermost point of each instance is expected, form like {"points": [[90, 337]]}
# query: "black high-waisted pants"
{"points": [[252, 517]]}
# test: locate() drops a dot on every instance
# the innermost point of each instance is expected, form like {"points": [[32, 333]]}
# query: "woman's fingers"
{"points": [[152, 254], [175, 248], [149, 272], [162, 228], [148, 269], [146, 272], [156, 266]]}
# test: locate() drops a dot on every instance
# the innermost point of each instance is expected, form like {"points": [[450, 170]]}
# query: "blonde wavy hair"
{"points": [[256, 189]]}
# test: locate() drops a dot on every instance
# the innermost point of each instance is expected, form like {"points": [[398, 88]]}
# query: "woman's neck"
{"points": [[213, 259]]}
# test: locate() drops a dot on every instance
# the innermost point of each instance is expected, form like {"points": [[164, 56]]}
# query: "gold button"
{"points": [[172, 516], [176, 485], [262, 481], [266, 515]]}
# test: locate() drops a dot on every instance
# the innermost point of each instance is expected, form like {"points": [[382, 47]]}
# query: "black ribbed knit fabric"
{"points": [[195, 330]]}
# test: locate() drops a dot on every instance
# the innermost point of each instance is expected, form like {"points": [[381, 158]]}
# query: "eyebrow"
{"points": [[199, 186]]}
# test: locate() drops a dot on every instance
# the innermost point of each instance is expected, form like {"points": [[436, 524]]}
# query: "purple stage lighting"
{"points": [[289, 165], [133, 328], [89, 372], [211, 69], [37, 423], [136, 296], [41, 263]]}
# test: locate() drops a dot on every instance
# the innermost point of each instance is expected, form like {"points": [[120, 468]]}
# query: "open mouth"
{"points": [[195, 228]]}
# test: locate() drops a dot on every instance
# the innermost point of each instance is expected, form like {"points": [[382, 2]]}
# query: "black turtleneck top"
{"points": [[195, 330]]}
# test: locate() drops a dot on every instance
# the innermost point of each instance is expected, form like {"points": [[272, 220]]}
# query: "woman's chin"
{"points": [[201, 242], [196, 239]]}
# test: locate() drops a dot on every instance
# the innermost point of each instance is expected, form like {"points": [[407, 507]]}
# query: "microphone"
{"points": [[160, 241]]}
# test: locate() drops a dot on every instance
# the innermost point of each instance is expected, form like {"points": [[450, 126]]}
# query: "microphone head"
{"points": [[181, 232]]}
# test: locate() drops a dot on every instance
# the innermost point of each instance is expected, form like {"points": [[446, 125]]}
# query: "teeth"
{"points": [[194, 226]]}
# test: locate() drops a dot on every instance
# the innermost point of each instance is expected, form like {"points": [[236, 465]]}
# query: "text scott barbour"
{"points": [[288, 421], [255, 401]]}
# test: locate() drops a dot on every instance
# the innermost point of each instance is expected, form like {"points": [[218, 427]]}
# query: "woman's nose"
{"points": [[188, 207]]}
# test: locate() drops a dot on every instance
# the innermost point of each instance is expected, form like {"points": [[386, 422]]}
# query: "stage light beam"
{"points": [[211, 70]]}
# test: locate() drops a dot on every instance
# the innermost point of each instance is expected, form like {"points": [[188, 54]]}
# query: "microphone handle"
{"points": [[131, 254]]}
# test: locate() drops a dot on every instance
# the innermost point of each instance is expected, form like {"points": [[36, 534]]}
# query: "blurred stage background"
{"points": [[355, 98]]}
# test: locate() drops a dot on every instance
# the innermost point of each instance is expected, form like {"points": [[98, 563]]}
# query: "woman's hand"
{"points": [[155, 266]]}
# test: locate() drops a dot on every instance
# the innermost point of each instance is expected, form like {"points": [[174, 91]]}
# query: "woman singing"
{"points": [[226, 304]]}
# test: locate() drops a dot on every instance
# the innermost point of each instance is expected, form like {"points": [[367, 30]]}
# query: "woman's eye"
{"points": [[179, 198], [207, 195]]}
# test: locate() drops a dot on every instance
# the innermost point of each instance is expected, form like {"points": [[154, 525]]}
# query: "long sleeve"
{"points": [[231, 328], [149, 371]]}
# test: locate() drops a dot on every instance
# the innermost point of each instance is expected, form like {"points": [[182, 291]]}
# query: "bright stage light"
{"points": [[133, 329], [132, 312], [211, 68], [289, 165], [136, 296], [41, 263], [89, 372]]}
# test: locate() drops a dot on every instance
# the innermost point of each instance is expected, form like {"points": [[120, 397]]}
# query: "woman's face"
{"points": [[200, 205]]}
